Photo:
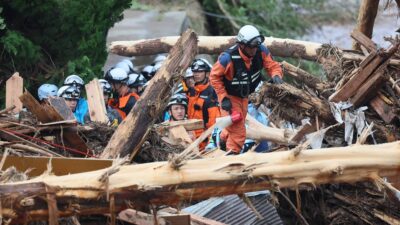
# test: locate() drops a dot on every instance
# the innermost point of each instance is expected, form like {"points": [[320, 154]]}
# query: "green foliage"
{"points": [[278, 18], [47, 40]]}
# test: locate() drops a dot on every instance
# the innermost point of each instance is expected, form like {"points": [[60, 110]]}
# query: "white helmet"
{"points": [[74, 80], [46, 90], [249, 35], [105, 86], [159, 58], [156, 67], [126, 65], [147, 71], [69, 92], [200, 65], [116, 75], [178, 99], [136, 80], [189, 73]]}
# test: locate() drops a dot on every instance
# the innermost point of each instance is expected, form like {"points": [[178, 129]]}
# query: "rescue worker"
{"points": [[82, 106], [47, 90], [112, 114], [136, 82], [236, 74], [203, 102], [124, 99], [177, 107], [71, 95]]}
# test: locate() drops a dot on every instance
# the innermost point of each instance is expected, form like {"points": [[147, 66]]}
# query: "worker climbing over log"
{"points": [[235, 75], [124, 99], [203, 101]]}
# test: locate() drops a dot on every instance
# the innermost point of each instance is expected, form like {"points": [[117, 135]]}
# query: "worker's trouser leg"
{"points": [[235, 134]]}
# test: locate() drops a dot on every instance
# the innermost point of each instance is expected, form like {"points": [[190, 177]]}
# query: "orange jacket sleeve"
{"points": [[272, 67], [222, 68]]}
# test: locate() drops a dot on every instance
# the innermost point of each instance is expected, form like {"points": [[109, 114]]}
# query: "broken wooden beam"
{"points": [[159, 184], [367, 67], [384, 110], [130, 134], [14, 89], [95, 99], [363, 40]]}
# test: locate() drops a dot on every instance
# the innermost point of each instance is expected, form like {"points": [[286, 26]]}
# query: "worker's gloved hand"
{"points": [[226, 104], [277, 79]]}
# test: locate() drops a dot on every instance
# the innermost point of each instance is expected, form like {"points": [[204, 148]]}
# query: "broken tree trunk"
{"points": [[217, 44], [14, 89], [159, 184], [366, 19], [129, 136]]}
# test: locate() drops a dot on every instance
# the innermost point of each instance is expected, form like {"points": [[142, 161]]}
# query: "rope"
{"points": [[49, 143]]}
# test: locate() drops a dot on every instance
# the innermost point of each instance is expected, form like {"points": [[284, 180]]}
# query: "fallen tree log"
{"points": [[158, 183], [129, 136], [217, 44]]}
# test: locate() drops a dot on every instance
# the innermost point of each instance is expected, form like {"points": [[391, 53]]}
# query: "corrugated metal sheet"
{"points": [[232, 210]]}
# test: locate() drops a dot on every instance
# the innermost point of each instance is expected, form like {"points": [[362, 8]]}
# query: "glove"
{"points": [[226, 104], [277, 79]]}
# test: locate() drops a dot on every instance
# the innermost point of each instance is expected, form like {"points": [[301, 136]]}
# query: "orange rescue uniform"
{"points": [[124, 104], [203, 104], [235, 76]]}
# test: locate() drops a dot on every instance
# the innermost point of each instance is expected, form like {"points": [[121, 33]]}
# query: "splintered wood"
{"points": [[95, 98], [14, 89]]}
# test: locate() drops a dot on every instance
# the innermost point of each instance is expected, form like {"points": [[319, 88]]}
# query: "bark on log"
{"points": [[304, 77], [158, 183], [366, 19], [289, 48], [301, 100], [128, 137]]}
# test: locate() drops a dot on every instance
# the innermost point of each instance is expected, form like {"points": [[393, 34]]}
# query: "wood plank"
{"points": [[352, 86], [385, 111], [14, 89], [62, 108], [189, 125], [370, 87], [180, 135], [60, 166], [34, 107], [95, 98], [363, 40]]}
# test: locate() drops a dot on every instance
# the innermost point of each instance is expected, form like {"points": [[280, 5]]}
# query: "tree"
{"points": [[47, 40]]}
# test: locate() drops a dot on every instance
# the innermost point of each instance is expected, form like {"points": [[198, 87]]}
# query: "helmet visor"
{"points": [[255, 42]]}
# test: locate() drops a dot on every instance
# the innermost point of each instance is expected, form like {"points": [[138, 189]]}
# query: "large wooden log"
{"points": [[366, 19], [158, 183], [129, 136], [289, 48]]}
